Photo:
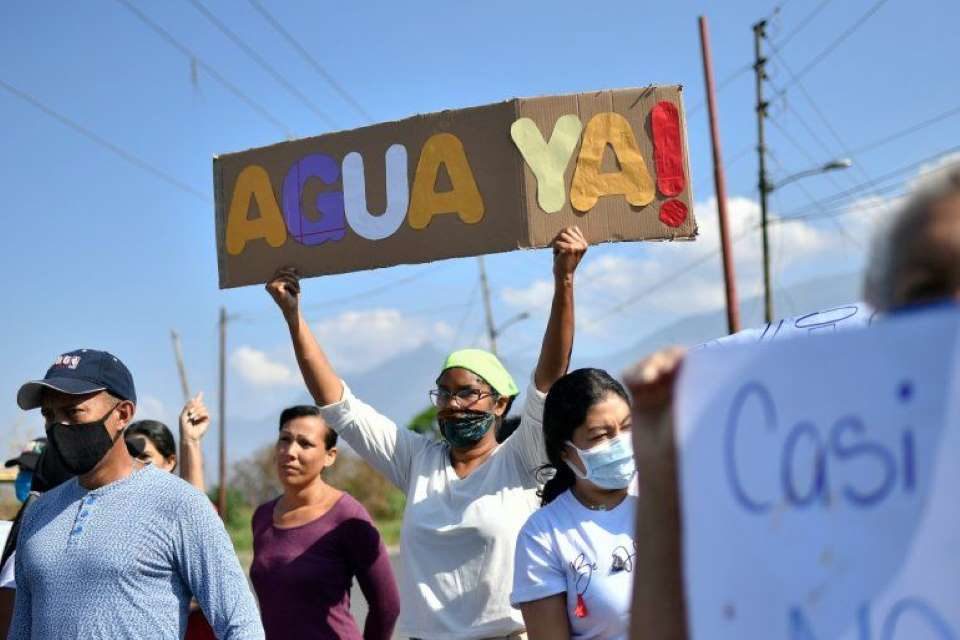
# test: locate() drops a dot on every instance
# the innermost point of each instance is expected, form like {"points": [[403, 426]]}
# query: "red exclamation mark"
{"points": [[668, 157]]}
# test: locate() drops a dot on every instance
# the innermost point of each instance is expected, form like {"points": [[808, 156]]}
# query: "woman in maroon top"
{"points": [[311, 542]]}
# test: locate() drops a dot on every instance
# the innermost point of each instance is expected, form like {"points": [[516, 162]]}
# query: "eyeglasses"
{"points": [[463, 397]]}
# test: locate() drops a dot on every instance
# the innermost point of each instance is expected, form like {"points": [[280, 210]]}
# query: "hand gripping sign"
{"points": [[457, 183]]}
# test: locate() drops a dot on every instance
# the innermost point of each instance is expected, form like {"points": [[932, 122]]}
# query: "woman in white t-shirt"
{"points": [[468, 495], [574, 561]]}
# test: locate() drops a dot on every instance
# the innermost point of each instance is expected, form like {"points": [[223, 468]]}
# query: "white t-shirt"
{"points": [[7, 579], [566, 548], [458, 534]]}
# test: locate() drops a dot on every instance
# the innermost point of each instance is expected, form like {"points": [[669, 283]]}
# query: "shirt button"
{"points": [[77, 530], [84, 514]]}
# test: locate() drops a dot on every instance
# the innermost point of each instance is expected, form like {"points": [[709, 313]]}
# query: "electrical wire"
{"points": [[802, 24], [213, 73], [863, 190], [329, 79], [122, 153], [818, 58], [266, 66], [907, 131]]}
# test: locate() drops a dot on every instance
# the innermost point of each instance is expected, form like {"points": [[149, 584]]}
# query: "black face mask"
{"points": [[79, 447]]}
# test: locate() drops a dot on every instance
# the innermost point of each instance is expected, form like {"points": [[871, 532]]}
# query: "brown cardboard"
{"points": [[511, 216]]}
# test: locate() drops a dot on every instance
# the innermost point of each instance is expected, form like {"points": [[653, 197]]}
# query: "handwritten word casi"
{"points": [[419, 202], [843, 442]]}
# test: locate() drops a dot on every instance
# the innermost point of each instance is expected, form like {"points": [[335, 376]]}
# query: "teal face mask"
{"points": [[467, 431], [609, 465]]}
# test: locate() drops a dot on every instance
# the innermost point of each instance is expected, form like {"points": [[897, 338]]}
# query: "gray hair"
{"points": [[886, 258]]}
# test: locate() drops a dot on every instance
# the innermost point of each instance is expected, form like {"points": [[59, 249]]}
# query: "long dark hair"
{"points": [[564, 410], [157, 433]]}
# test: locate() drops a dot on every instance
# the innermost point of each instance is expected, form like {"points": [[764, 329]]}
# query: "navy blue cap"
{"points": [[80, 372]]}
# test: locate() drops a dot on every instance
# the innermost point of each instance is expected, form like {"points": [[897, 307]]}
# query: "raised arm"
{"points": [[659, 607], [194, 422], [568, 249], [376, 438], [322, 381]]}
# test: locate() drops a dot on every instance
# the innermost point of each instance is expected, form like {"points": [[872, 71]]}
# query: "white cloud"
{"points": [[537, 295], [358, 341], [152, 408], [259, 370]]}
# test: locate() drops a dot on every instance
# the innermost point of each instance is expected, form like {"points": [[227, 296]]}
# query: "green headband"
{"points": [[487, 366]]}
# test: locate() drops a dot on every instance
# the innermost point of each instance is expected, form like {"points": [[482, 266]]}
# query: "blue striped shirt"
{"points": [[124, 561]]}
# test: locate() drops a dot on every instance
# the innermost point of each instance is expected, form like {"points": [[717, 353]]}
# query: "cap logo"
{"points": [[70, 362]]}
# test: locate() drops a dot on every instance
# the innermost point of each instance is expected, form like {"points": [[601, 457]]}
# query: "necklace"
{"points": [[596, 507], [589, 505]]}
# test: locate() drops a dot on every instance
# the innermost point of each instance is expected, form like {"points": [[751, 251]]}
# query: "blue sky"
{"points": [[104, 254]]}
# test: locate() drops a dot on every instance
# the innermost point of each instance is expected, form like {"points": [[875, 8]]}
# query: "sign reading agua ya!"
{"points": [[457, 183], [819, 479]]}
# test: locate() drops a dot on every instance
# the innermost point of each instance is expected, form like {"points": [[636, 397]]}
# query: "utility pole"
{"points": [[759, 67], [720, 184], [181, 369], [222, 488], [487, 307]]}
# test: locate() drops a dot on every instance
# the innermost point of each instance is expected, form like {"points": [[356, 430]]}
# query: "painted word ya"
{"points": [[420, 202], [806, 445], [903, 620]]}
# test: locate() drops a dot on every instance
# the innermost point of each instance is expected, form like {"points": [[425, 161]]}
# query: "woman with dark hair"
{"points": [[151, 441], [467, 495], [311, 542], [574, 559]]}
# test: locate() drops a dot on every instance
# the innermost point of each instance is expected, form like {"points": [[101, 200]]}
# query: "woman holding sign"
{"points": [[575, 556], [467, 496]]}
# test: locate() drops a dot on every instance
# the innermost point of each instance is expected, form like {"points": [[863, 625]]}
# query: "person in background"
{"points": [[119, 550], [312, 541], [467, 496], [26, 464], [914, 261], [151, 441], [574, 560]]}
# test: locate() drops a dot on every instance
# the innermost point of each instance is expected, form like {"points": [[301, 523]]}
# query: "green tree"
{"points": [[425, 423]]}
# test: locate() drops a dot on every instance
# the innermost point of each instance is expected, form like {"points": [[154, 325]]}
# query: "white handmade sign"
{"points": [[840, 318], [820, 482]]}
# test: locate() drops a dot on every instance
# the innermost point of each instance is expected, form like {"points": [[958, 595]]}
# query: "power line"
{"points": [[802, 24], [232, 88], [266, 66], [659, 284], [819, 113], [817, 59], [857, 191], [349, 99], [907, 131], [730, 78], [103, 142]]}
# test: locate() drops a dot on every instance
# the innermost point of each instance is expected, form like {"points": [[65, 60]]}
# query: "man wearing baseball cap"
{"points": [[118, 551]]}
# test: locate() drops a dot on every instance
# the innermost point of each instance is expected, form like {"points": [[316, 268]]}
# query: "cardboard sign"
{"points": [[819, 481], [457, 183]]}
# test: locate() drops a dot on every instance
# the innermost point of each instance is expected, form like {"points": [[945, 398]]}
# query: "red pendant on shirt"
{"points": [[581, 610]]}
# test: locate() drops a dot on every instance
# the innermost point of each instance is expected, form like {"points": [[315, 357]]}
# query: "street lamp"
{"points": [[767, 188]]}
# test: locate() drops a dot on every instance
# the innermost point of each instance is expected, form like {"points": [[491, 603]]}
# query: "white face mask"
{"points": [[609, 465]]}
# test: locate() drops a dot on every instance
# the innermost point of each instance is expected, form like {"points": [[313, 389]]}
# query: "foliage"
{"points": [[372, 490], [425, 423], [255, 478], [236, 518]]}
